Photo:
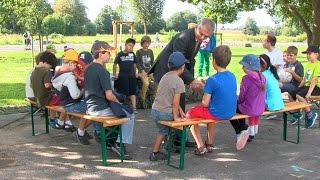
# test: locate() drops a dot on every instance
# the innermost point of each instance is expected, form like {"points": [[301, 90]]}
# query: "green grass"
{"points": [[15, 66]]}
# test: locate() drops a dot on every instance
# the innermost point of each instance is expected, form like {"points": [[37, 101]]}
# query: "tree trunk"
{"points": [[298, 17], [145, 27], [316, 22]]}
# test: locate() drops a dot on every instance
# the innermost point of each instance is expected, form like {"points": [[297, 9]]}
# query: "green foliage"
{"points": [[220, 13], [71, 25], [171, 34], [266, 30], [250, 27], [91, 29], [289, 30], [75, 8], [104, 20], [179, 21], [147, 10], [53, 24], [155, 26]]}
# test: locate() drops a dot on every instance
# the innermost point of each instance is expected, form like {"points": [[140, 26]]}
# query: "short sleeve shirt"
{"points": [[276, 57], [298, 69], [169, 85], [223, 89], [312, 70], [126, 63], [144, 60], [39, 77], [96, 82]]}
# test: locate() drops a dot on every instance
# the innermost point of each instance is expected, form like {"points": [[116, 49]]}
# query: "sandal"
{"points": [[200, 151], [69, 128], [209, 147]]}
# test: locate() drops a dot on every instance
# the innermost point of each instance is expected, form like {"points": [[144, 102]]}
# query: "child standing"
{"points": [[70, 93], [126, 79], [145, 60], [166, 104], [274, 99], [310, 85], [252, 95], [205, 50], [219, 101]]}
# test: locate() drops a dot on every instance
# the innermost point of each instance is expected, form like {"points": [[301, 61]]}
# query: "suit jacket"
{"points": [[184, 42]]}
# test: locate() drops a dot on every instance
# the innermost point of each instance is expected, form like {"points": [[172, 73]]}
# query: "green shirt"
{"points": [[312, 70], [38, 78]]}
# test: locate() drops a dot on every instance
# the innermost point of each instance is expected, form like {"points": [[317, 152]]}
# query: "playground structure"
{"points": [[115, 32]]}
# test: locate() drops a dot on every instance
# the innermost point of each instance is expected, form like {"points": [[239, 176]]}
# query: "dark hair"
{"points": [[37, 58], [175, 68], [271, 39], [222, 55], [145, 39], [265, 62], [293, 50], [49, 58], [130, 40]]}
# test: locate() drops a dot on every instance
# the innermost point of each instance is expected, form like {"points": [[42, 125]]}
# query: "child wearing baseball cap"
{"points": [[310, 85], [166, 104], [84, 59], [71, 96]]}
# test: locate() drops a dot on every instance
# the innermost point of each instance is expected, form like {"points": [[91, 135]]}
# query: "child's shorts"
{"points": [[78, 107], [302, 91], [161, 116], [126, 85], [200, 112], [288, 87]]}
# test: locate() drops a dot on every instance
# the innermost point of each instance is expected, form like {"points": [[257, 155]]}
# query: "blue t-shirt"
{"points": [[274, 99], [223, 89]]}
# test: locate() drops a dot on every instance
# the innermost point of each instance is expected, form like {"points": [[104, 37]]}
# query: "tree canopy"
{"points": [[179, 21], [104, 20], [250, 27], [147, 10]]}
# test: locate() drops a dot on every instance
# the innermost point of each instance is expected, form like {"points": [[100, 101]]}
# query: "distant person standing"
{"points": [[27, 40], [156, 40], [275, 55], [205, 50]]}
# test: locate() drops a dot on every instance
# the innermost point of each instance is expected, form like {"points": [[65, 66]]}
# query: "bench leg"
{"points": [[103, 145], [47, 120], [32, 119], [169, 145], [182, 147], [285, 126], [121, 144]]}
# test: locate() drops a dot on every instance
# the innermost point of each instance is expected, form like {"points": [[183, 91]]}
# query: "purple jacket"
{"points": [[251, 100]]}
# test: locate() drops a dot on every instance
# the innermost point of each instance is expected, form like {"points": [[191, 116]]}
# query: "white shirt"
{"points": [[276, 57], [29, 91]]}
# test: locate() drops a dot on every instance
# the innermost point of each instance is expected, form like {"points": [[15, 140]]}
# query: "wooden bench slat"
{"points": [[315, 98]]}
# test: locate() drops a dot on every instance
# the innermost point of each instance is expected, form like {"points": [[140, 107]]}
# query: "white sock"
{"points": [[251, 130], [68, 122], [80, 132], [60, 122], [256, 129]]}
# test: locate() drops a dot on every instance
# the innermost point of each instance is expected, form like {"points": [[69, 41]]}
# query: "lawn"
{"points": [[15, 66]]}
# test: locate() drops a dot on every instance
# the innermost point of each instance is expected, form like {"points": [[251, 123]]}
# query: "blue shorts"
{"points": [[78, 107], [161, 116], [288, 87]]}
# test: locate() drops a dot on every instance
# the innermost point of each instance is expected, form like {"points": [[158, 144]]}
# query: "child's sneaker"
{"points": [[53, 122], [69, 128], [296, 117], [158, 156], [82, 139], [311, 118], [242, 139]]}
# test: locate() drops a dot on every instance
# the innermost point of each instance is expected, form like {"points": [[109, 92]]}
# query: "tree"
{"points": [[250, 27], [91, 29], [53, 24], [304, 13], [71, 25], [74, 8], [155, 26], [147, 10], [7, 8], [289, 30], [179, 21], [266, 30], [104, 20]]}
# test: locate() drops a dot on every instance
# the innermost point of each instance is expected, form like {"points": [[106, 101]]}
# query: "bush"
{"points": [[91, 29], [171, 34], [71, 25], [53, 23]]}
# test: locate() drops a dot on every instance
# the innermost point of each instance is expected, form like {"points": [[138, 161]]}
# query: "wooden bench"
{"points": [[290, 106], [107, 123]]}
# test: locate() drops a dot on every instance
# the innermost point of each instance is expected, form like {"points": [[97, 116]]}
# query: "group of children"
{"points": [[83, 85], [259, 91]]}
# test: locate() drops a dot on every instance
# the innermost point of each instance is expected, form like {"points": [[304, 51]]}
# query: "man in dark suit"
{"points": [[188, 43]]}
